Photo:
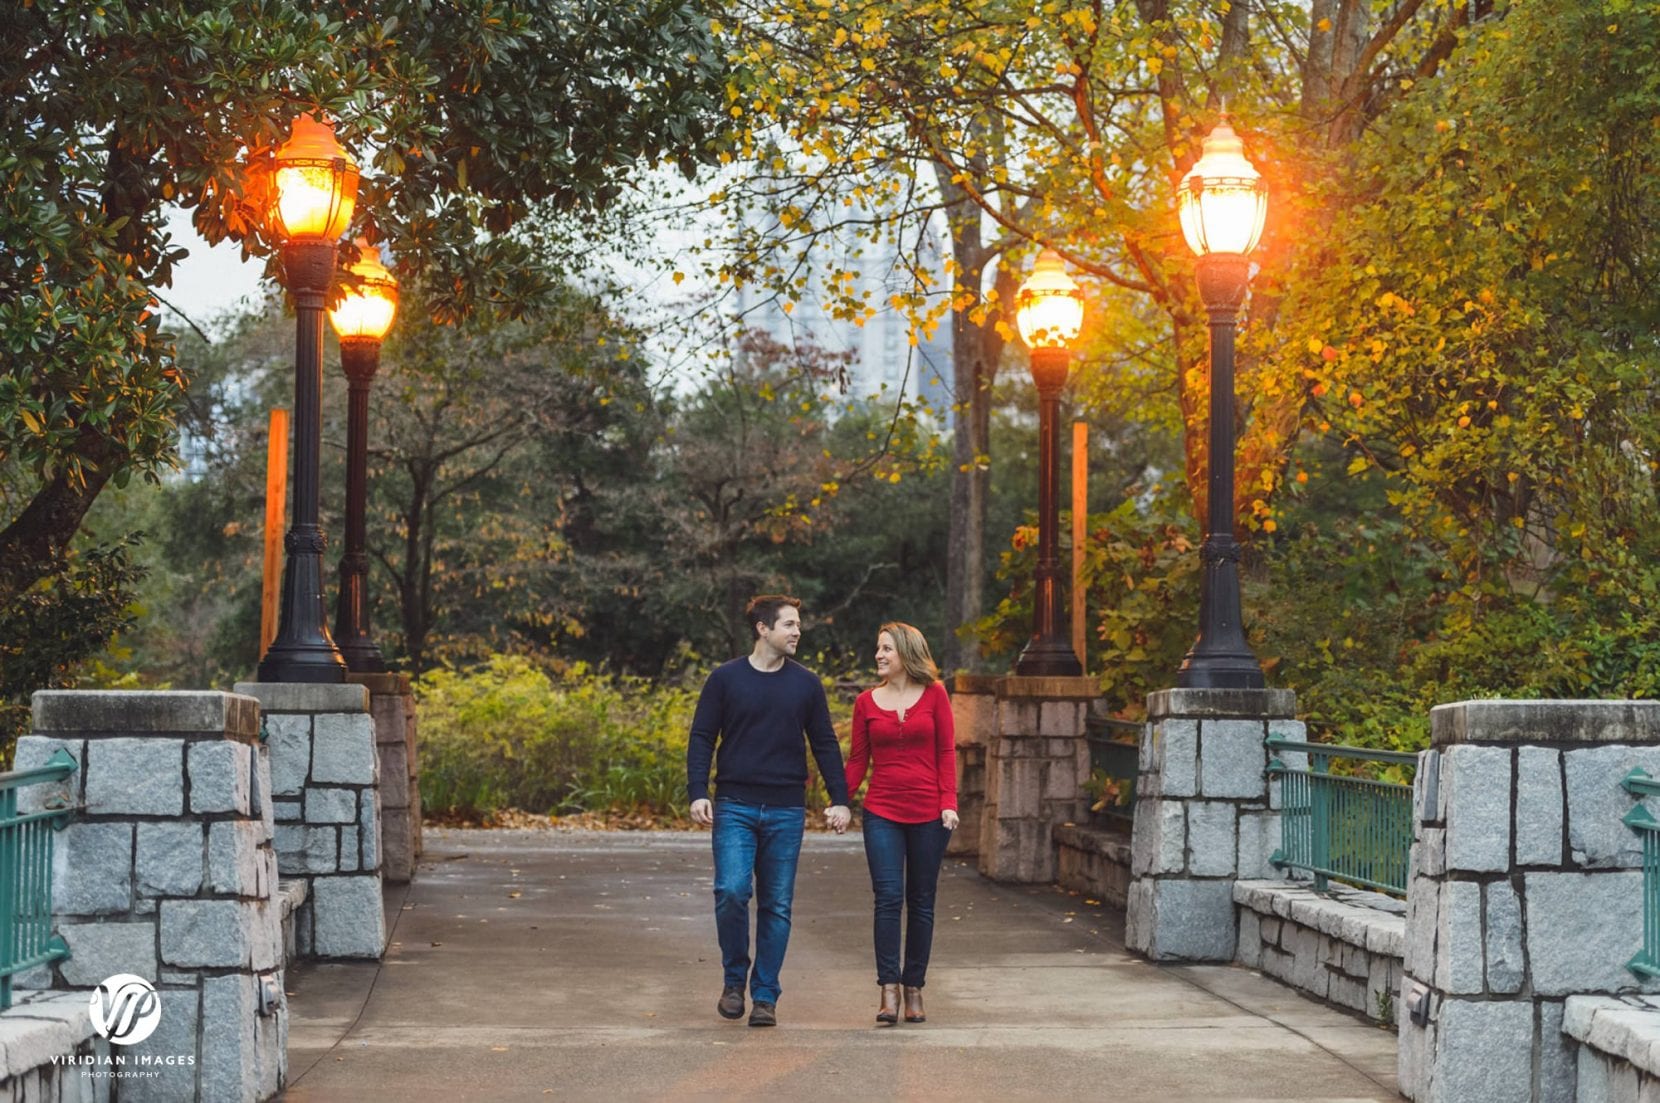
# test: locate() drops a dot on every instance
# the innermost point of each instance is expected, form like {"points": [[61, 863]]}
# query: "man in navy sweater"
{"points": [[749, 722]]}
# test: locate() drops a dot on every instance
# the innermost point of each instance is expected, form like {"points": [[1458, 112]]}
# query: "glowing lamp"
{"points": [[367, 310], [1222, 199], [316, 183], [1049, 308]]}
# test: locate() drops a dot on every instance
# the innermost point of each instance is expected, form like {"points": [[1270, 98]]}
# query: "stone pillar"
{"points": [[167, 872], [1036, 762], [1526, 888], [392, 706], [325, 785], [1205, 816], [974, 715]]}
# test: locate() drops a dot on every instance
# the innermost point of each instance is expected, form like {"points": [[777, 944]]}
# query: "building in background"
{"points": [[881, 348]]}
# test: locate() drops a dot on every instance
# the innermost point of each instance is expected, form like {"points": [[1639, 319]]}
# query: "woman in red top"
{"points": [[902, 732]]}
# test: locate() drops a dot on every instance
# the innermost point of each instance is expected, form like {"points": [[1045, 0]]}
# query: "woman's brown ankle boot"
{"points": [[913, 1005], [888, 1012]]}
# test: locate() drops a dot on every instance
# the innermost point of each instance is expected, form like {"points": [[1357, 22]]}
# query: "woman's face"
{"points": [[887, 659]]}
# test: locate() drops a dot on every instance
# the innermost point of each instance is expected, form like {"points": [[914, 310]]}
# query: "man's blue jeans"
{"points": [[755, 845], [904, 861]]}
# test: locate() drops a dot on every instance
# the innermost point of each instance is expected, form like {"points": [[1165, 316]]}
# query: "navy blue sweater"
{"points": [[757, 718]]}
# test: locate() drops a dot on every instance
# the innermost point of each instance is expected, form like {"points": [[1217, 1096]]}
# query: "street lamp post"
{"points": [[316, 183], [1050, 312], [1223, 203], [360, 320]]}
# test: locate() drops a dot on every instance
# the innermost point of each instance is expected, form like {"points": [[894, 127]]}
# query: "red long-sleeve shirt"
{"points": [[913, 764]]}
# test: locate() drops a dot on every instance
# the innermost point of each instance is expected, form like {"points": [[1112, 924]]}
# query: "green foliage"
{"points": [[511, 735], [1107, 793], [59, 623], [1141, 568], [1476, 333], [514, 735]]}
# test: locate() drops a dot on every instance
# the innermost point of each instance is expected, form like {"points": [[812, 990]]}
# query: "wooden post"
{"points": [[1080, 526], [276, 520]]}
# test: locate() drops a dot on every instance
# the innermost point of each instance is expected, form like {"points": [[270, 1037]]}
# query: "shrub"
{"points": [[513, 735]]}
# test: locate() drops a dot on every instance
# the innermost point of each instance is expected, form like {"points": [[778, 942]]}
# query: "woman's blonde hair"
{"points": [[913, 652]]}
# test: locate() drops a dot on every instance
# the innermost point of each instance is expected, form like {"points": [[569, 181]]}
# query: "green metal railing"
{"points": [[1114, 766], [1638, 783], [26, 938], [1353, 829]]}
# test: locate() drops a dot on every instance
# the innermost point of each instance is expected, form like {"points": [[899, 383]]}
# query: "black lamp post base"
{"points": [[1048, 658], [363, 657], [1220, 672], [302, 663]]}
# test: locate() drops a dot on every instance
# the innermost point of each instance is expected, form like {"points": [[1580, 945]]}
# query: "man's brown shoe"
{"points": [[913, 1005], [888, 1012], [731, 1005], [763, 1014]]}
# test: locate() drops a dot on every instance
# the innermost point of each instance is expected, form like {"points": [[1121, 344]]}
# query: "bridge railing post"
{"points": [[1206, 815], [167, 874]]}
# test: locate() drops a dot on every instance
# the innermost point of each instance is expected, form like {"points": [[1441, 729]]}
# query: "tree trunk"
{"points": [[976, 349], [35, 541], [412, 607]]}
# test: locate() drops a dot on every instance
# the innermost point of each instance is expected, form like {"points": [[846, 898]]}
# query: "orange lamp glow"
{"points": [[367, 310], [1049, 308], [1222, 199], [316, 183]]}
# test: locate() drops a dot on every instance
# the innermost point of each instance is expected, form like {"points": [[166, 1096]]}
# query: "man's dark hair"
{"points": [[765, 609]]}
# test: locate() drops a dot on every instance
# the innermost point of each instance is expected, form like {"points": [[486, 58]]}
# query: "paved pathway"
{"points": [[550, 965]]}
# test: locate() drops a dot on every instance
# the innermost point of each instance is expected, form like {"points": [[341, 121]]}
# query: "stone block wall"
{"points": [[1093, 861], [167, 872], [1344, 946], [1206, 815], [1036, 762], [392, 707], [1525, 889], [325, 784], [974, 715]]}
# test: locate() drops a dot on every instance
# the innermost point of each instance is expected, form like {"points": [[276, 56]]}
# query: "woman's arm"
{"points": [[945, 747], [858, 758]]}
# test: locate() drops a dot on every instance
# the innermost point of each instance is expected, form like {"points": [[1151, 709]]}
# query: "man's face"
{"points": [[785, 634]]}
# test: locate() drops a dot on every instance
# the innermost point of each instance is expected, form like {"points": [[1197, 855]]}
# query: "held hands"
{"points": [[703, 813], [949, 819], [837, 817]]}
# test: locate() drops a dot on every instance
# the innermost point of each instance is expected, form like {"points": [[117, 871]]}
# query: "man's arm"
{"points": [[700, 745], [821, 736]]}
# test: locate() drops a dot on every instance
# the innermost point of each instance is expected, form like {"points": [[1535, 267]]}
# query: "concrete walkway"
{"points": [[550, 965]]}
